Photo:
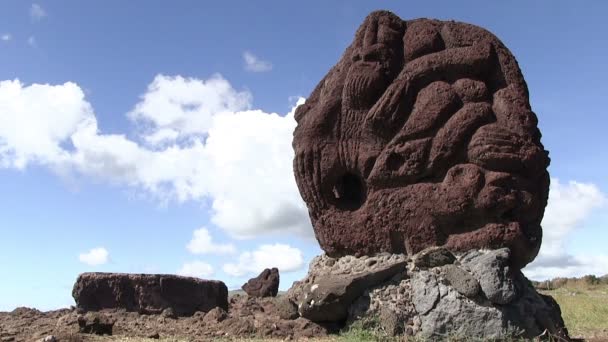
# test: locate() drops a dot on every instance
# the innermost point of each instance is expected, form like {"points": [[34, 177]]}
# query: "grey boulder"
{"points": [[491, 269]]}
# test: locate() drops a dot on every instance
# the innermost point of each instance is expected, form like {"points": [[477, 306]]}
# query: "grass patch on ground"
{"points": [[584, 309]]}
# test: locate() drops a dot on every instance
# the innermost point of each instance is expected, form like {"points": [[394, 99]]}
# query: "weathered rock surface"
{"points": [[346, 267], [328, 299], [148, 293], [215, 315], [96, 323], [431, 302], [461, 280], [266, 284], [425, 291], [422, 135], [433, 257], [494, 274], [286, 308]]}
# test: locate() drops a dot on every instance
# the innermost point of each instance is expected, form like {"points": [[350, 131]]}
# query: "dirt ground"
{"points": [[246, 317], [585, 312]]}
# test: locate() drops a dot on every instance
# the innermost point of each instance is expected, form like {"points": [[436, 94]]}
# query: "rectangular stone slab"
{"points": [[148, 293]]}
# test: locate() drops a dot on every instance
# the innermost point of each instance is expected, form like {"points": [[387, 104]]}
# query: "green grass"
{"points": [[584, 309]]}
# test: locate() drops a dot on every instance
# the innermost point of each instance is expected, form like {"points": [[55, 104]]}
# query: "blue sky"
{"points": [[141, 137]]}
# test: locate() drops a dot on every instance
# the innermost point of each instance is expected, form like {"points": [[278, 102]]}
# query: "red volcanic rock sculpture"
{"points": [[148, 293], [422, 135], [266, 284]]}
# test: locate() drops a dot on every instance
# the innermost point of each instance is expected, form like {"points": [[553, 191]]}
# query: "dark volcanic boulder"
{"points": [[148, 293], [264, 285], [422, 135]]}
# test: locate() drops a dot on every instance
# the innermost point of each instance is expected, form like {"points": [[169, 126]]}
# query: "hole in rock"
{"points": [[348, 192]]}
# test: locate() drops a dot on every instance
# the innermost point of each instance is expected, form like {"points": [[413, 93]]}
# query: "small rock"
{"points": [[154, 336], [215, 315], [199, 315], [461, 280], [95, 323], [433, 257], [391, 321], [286, 308], [241, 326], [168, 313]]}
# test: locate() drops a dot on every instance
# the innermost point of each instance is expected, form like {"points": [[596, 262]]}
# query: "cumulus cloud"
{"points": [[198, 269], [94, 257], [36, 119], [175, 107], [214, 147], [31, 41], [567, 210], [6, 37], [37, 12], [255, 64], [202, 243], [281, 256]]}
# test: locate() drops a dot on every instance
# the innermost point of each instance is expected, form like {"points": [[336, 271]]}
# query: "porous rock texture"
{"points": [[148, 293], [266, 284], [422, 135], [433, 302]]}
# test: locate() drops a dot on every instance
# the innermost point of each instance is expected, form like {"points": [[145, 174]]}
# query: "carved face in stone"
{"points": [[422, 135]]}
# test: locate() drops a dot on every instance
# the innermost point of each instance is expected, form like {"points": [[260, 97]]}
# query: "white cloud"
{"points": [[255, 64], [213, 147], [202, 243], [94, 257], [281, 256], [198, 269], [6, 37], [568, 207], [37, 12], [31, 41], [36, 119], [576, 266], [251, 178], [176, 107]]}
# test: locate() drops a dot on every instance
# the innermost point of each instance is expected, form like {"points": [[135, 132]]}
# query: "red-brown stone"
{"points": [[148, 293], [422, 135], [266, 284]]}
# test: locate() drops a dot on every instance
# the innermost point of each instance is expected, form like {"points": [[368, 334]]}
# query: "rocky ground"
{"points": [[246, 317], [431, 295]]}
